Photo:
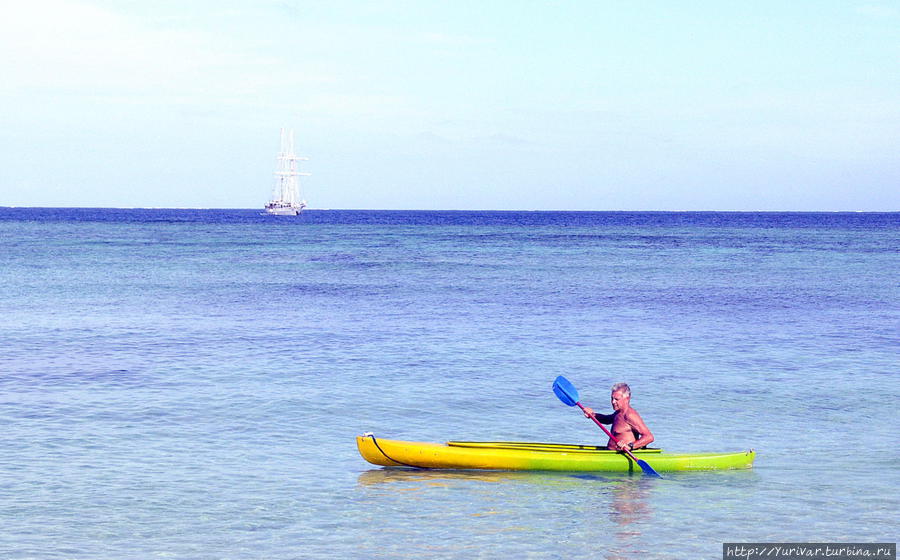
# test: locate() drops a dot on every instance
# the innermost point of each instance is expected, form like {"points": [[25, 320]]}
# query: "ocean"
{"points": [[189, 383]]}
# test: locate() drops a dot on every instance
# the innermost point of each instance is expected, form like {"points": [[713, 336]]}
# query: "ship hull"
{"points": [[283, 209]]}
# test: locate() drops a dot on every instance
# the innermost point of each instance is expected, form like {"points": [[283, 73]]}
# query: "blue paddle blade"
{"points": [[566, 392], [648, 470]]}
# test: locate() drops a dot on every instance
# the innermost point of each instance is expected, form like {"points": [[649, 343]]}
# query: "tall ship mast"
{"points": [[286, 199]]}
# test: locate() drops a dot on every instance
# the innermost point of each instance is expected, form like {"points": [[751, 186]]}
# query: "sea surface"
{"points": [[189, 383]]}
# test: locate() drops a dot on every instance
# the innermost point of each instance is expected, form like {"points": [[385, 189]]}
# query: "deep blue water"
{"points": [[188, 383]]}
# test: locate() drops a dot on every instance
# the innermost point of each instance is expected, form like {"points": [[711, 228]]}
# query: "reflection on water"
{"points": [[613, 515], [627, 497], [630, 504], [377, 477]]}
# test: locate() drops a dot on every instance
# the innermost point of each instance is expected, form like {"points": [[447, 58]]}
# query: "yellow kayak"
{"points": [[528, 456]]}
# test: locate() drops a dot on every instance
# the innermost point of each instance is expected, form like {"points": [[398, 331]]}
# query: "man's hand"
{"points": [[588, 412]]}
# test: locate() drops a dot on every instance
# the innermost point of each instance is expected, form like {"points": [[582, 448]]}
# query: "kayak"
{"points": [[528, 456]]}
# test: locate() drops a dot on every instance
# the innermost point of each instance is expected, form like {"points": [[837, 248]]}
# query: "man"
{"points": [[627, 425]]}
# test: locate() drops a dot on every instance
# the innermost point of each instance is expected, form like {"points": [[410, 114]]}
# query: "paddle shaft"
{"points": [[612, 437]]}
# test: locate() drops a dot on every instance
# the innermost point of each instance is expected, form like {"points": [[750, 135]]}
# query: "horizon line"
{"points": [[448, 210]]}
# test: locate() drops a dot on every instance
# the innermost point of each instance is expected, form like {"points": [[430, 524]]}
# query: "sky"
{"points": [[462, 105]]}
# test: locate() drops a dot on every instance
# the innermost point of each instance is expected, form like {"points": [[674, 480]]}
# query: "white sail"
{"points": [[286, 199]]}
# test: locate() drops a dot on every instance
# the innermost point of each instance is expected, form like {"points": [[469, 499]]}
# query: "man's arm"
{"points": [[637, 423], [602, 418]]}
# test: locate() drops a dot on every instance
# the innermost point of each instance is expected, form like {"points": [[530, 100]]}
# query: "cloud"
{"points": [[55, 43], [878, 11], [65, 48], [448, 40]]}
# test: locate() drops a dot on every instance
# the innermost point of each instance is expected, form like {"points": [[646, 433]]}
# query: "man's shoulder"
{"points": [[631, 413]]}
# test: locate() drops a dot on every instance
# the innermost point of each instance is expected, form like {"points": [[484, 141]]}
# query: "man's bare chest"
{"points": [[620, 425]]}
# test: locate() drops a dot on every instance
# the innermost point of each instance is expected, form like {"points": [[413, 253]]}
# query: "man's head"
{"points": [[620, 396]]}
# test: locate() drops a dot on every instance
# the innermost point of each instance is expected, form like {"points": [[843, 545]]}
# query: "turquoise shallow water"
{"points": [[188, 384]]}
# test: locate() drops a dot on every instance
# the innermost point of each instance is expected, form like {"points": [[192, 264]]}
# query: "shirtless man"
{"points": [[627, 424]]}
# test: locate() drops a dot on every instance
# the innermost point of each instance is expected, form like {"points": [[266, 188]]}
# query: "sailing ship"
{"points": [[286, 200]]}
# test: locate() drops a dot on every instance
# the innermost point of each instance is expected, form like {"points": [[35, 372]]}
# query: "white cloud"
{"points": [[448, 40], [68, 48], [55, 43], [878, 10]]}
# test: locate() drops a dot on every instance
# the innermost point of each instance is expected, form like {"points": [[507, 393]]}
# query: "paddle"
{"points": [[568, 394]]}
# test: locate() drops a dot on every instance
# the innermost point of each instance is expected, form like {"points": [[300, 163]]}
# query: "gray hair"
{"points": [[622, 387]]}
